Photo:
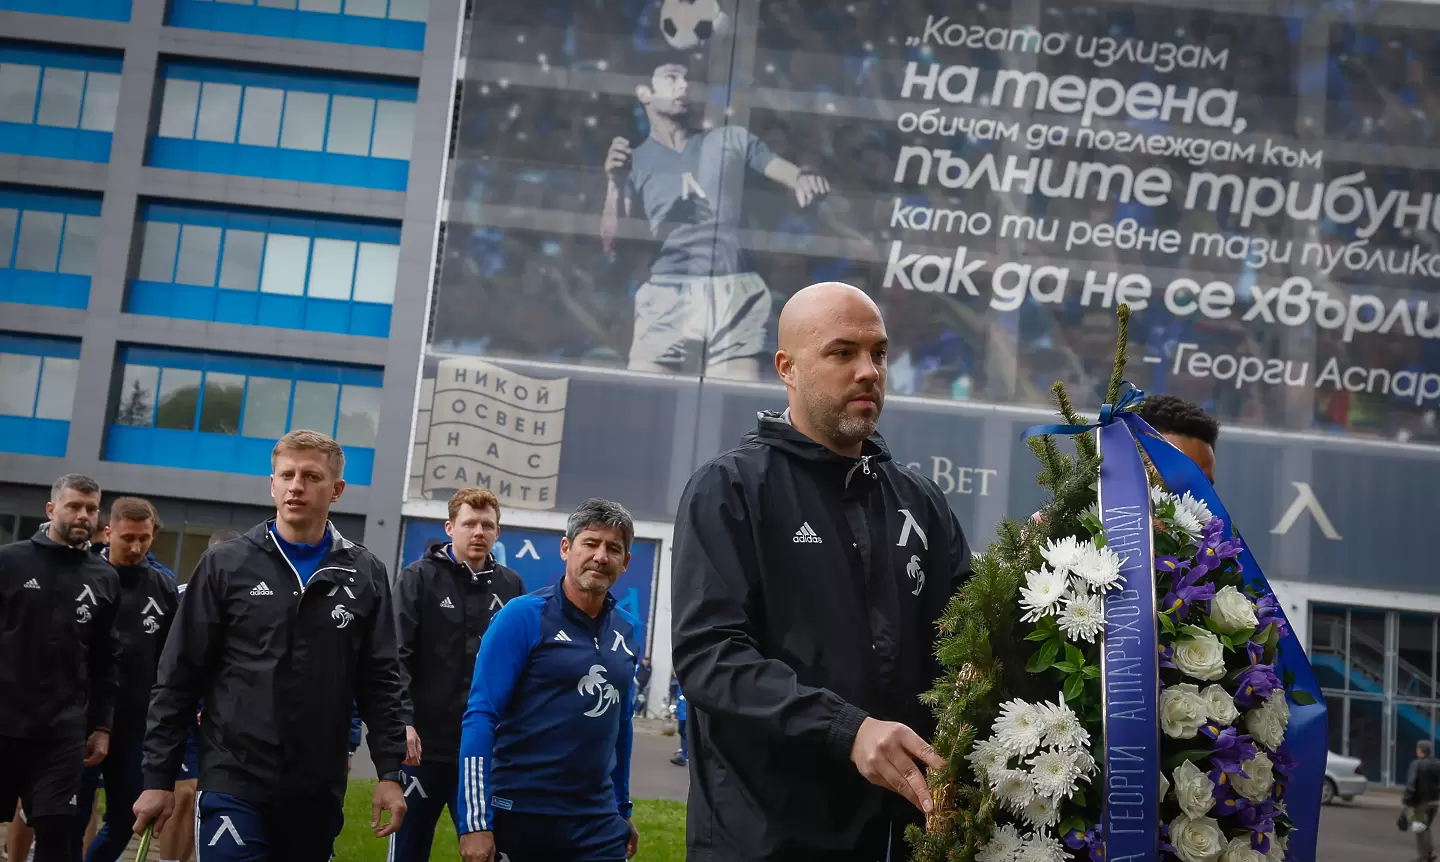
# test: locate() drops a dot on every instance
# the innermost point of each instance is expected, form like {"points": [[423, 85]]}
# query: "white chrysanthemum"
{"points": [[1003, 845], [1013, 788], [1019, 727], [1186, 523], [988, 757], [1063, 555], [1100, 568], [1085, 762], [1195, 509], [1054, 773], [1062, 727], [1159, 496], [1082, 617], [1041, 595], [1040, 847], [1041, 812]]}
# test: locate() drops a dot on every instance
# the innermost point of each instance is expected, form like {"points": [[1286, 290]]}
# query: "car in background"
{"points": [[1344, 777]]}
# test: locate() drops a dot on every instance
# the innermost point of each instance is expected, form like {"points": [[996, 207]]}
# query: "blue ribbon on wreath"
{"points": [[1129, 668]]}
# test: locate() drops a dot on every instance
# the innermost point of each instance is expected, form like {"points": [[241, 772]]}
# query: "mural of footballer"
{"points": [[701, 293]]}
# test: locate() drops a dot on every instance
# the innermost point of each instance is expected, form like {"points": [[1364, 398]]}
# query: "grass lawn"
{"points": [[661, 825]]}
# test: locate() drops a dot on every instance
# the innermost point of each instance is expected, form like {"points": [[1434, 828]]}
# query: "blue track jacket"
{"points": [[548, 726]]}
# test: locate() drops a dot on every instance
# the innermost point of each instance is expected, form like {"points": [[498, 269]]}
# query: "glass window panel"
{"points": [[277, 4], [39, 247], [394, 127], [1367, 652], [1416, 670], [219, 113], [375, 274], [267, 405], [77, 254], [7, 529], [260, 121], [8, 220], [304, 127], [157, 251], [1328, 646], [30, 525], [359, 415], [178, 107], [1366, 726], [332, 6], [365, 8], [60, 93], [332, 269], [57, 388], [314, 406], [194, 542], [137, 396], [285, 260], [350, 118], [240, 265], [19, 85], [199, 253], [220, 408], [410, 10], [179, 395], [165, 548], [19, 375], [102, 96]]}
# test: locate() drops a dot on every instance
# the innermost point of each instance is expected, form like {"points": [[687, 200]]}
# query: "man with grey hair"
{"points": [[1422, 796], [545, 743], [57, 631]]}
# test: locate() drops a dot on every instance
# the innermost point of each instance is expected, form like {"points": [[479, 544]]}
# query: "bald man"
{"points": [[804, 614]]}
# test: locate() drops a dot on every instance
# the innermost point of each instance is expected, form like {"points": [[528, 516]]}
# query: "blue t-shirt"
{"points": [[305, 558], [680, 193]]}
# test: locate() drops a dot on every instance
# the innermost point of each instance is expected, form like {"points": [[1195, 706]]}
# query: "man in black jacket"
{"points": [[445, 604], [280, 632], [804, 611], [148, 599], [57, 635], [1422, 795]]}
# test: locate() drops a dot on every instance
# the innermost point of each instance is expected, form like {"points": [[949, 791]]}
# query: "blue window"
{"points": [[265, 268], [105, 10], [37, 393], [57, 102], [381, 23], [47, 246], [290, 126], [220, 411]]}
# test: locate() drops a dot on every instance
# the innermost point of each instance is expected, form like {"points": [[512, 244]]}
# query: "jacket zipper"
{"points": [[296, 572]]}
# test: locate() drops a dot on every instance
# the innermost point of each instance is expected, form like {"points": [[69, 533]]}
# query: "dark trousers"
{"points": [[123, 783], [231, 829], [44, 776], [556, 838], [684, 741], [429, 788]]}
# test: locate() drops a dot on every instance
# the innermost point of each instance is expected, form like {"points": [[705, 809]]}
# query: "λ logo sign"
{"points": [[1306, 501]]}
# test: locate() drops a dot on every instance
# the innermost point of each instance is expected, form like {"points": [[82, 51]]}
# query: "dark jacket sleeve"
{"points": [[1412, 780], [377, 686], [189, 653], [104, 667], [716, 651], [407, 626]]}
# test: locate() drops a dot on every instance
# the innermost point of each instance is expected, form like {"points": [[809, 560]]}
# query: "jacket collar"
{"points": [[556, 593], [42, 538], [446, 553], [263, 535], [775, 430]]}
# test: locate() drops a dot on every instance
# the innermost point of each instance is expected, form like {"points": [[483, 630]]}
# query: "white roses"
{"points": [[1182, 711], [1232, 611], [1193, 790], [1267, 723], [1262, 777], [1197, 839], [1239, 850], [1199, 655], [1220, 705]]}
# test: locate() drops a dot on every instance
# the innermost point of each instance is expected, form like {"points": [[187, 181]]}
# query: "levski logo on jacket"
{"points": [[341, 617], [152, 609], [82, 610], [594, 683]]}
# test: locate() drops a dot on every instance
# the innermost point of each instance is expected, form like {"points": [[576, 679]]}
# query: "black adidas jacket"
{"points": [[148, 599], [443, 610], [278, 668], [58, 649], [807, 586]]}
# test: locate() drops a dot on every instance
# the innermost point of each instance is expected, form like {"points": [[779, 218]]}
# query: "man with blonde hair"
{"points": [[445, 604], [280, 632]]}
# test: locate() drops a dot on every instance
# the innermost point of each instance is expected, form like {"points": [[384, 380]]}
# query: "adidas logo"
{"points": [[805, 534], [562, 637], [32, 584], [447, 603], [261, 590]]}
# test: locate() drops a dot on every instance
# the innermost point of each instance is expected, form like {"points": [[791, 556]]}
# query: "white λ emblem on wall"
{"points": [[492, 428]]}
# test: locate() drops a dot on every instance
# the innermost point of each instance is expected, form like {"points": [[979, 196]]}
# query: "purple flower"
{"points": [[1257, 682], [1260, 842], [1167, 657], [1165, 846], [1213, 527], [1285, 764], [1185, 594], [1255, 816], [1267, 611], [1230, 748], [1089, 839]]}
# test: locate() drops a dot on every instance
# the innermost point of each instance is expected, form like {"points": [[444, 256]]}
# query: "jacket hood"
{"points": [[42, 538], [774, 429]]}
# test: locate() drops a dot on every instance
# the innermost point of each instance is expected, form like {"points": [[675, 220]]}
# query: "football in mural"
{"points": [[689, 23]]}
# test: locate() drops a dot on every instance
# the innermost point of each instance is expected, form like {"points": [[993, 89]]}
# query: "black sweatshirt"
{"points": [[148, 600]]}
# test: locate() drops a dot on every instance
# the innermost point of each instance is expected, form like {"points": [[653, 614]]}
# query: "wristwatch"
{"points": [[397, 776]]}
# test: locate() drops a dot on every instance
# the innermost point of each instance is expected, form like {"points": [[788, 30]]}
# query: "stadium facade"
{"points": [[412, 223]]}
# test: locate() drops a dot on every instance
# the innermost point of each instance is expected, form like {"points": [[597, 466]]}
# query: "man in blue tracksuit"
{"points": [[545, 744]]}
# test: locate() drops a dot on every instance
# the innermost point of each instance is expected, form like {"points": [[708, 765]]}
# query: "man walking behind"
{"points": [[446, 602], [148, 600], [57, 632], [804, 613], [280, 632], [545, 748], [1422, 796]]}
